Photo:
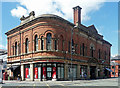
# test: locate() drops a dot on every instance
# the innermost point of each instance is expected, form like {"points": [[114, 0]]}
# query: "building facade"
{"points": [[115, 66], [3, 63], [3, 58], [49, 47]]}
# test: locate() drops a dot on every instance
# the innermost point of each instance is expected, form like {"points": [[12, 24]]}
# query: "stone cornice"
{"points": [[31, 22], [81, 27]]}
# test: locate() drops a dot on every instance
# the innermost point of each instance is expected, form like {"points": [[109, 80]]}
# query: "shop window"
{"points": [[44, 71], [60, 70], [49, 41], [26, 45], [27, 71], [55, 44], [37, 71], [83, 71], [72, 72], [15, 48], [42, 43], [36, 43]]}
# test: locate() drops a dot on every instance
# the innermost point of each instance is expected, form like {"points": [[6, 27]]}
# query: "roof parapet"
{"points": [[28, 18]]}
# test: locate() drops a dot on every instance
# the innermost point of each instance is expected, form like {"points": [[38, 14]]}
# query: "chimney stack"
{"points": [[77, 15]]}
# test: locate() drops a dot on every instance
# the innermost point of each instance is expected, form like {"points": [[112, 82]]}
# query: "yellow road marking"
{"points": [[48, 85]]}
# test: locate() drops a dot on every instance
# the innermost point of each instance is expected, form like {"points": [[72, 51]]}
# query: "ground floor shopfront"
{"points": [[61, 71]]}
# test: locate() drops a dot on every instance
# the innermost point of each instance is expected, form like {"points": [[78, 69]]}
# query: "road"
{"points": [[67, 84]]}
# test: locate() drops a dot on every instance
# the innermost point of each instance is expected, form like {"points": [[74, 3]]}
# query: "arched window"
{"points": [[105, 55], [69, 46], [42, 43], [36, 43], [26, 45], [76, 46], [19, 49], [15, 48], [91, 51], [99, 55], [48, 42], [72, 46], [72, 43], [55, 44], [83, 49]]}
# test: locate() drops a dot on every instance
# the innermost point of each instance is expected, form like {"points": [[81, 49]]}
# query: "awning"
{"points": [[109, 69], [13, 67]]}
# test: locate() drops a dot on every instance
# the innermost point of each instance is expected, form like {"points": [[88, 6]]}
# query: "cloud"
{"points": [[3, 47], [61, 8], [19, 11]]}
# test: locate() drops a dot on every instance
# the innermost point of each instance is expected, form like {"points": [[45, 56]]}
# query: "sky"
{"points": [[101, 13]]}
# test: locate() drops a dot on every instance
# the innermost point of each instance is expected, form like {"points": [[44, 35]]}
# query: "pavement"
{"points": [[111, 82]]}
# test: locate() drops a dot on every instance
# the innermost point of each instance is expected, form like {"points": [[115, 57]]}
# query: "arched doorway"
{"points": [[93, 62]]}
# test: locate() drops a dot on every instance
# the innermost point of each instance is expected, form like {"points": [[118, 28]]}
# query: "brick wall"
{"points": [[60, 30]]}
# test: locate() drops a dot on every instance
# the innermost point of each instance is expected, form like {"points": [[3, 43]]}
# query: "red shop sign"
{"points": [[36, 73], [54, 73], [44, 72]]}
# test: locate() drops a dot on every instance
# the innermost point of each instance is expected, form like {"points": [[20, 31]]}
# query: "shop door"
{"points": [[49, 73], [92, 72]]}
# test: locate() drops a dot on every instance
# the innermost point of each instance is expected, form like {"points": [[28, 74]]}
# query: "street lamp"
{"points": [[103, 68], [72, 51]]}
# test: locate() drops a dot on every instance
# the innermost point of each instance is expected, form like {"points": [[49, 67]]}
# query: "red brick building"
{"points": [[40, 49], [115, 66]]}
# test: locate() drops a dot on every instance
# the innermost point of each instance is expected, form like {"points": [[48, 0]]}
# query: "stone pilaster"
{"points": [[52, 45], [78, 71], [96, 71], [22, 72], [101, 71], [45, 42], [31, 72], [88, 72], [39, 44], [66, 71]]}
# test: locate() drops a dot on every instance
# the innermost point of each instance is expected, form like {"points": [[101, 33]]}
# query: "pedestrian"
{"points": [[85, 76]]}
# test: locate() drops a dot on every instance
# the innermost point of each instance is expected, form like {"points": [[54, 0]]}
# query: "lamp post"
{"points": [[20, 55], [72, 51], [103, 61]]}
